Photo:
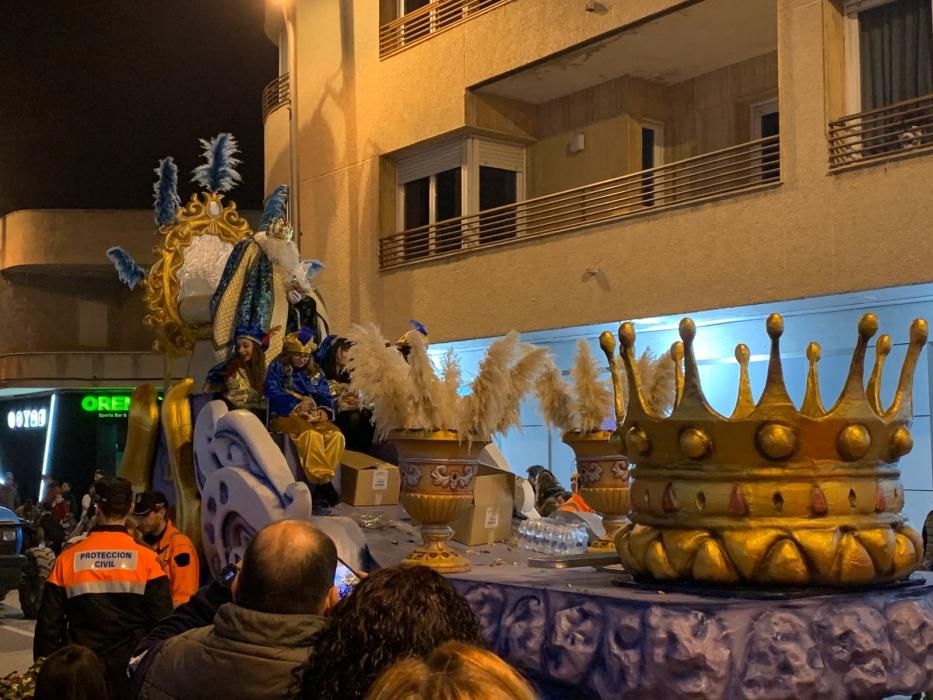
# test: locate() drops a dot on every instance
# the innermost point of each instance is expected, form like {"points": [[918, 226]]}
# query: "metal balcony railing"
{"points": [[434, 17], [748, 166], [274, 95], [896, 131]]}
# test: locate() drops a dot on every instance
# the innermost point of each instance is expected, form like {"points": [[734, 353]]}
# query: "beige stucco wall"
{"points": [[814, 234], [275, 148]]}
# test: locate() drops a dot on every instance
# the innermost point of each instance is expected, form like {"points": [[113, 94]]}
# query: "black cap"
{"points": [[147, 501], [114, 494]]}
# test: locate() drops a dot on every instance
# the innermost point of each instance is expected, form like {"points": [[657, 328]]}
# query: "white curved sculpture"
{"points": [[246, 483]]}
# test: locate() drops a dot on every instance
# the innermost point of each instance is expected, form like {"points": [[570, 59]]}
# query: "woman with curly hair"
{"points": [[393, 614]]}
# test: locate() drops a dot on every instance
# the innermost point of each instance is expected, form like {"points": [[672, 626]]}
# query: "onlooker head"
{"points": [[288, 568], [150, 510], [8, 478], [114, 498], [391, 615], [453, 671], [66, 487], [72, 673]]}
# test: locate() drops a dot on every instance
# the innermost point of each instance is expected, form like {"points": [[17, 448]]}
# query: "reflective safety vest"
{"points": [[104, 593], [178, 558]]}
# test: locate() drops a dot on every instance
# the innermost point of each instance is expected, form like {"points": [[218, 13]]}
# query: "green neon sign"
{"points": [[105, 404]]}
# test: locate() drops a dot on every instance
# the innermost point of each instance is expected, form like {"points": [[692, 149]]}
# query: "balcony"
{"points": [[419, 25], [274, 95], [746, 167], [898, 131]]}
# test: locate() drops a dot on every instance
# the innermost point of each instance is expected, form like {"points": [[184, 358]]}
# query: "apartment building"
{"points": [[557, 166]]}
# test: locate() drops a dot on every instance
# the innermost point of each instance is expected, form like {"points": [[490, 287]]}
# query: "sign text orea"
{"points": [[106, 404]]}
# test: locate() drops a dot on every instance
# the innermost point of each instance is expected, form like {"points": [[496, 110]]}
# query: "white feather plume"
{"points": [[522, 377], [554, 397], [426, 389], [380, 375], [593, 396], [450, 391], [484, 407]]}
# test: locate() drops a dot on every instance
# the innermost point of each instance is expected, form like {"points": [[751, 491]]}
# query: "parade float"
{"points": [[763, 554]]}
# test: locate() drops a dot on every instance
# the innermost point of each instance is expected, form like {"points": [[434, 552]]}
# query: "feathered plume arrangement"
{"points": [[128, 270], [275, 207], [218, 173], [521, 380], [411, 396], [380, 375], [658, 381], [165, 190], [554, 397], [593, 401]]}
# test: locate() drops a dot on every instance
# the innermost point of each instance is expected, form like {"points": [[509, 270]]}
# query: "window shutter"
{"points": [[501, 154], [436, 160]]}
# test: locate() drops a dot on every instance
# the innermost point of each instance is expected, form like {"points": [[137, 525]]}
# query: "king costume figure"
{"points": [[302, 406]]}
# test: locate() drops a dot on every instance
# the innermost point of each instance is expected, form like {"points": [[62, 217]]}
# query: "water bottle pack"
{"points": [[549, 536]]}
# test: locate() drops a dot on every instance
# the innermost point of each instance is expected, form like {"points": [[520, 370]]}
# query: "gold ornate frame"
{"points": [[204, 215]]}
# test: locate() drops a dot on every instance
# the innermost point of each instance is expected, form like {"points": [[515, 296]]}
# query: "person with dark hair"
{"points": [[72, 673], [391, 615], [105, 592], [252, 649], [353, 418]]}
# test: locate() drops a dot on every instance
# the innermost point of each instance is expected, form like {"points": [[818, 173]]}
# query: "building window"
{"points": [[438, 187], [889, 47], [652, 149], [766, 122]]}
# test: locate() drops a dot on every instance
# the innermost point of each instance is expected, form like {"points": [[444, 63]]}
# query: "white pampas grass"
{"points": [[660, 387], [484, 407], [554, 398], [521, 379], [380, 375], [426, 390], [593, 397], [450, 398]]}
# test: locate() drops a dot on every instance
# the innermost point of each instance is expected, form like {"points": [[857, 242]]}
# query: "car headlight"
{"points": [[8, 534]]}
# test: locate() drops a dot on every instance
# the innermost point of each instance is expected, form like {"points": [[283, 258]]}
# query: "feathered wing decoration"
{"points": [[426, 389], [380, 375], [554, 397], [129, 271], [450, 391], [593, 396], [218, 172], [521, 380], [165, 190], [483, 409], [274, 208]]}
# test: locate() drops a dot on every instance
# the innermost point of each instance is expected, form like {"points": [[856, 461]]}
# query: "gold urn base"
{"points": [[435, 553], [832, 556], [614, 524]]}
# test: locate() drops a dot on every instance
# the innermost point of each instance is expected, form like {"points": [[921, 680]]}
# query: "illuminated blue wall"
{"points": [[831, 321]]}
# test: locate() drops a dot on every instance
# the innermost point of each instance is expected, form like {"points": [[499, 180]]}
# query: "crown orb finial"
{"points": [[607, 342], [776, 441], [742, 354], [695, 443], [854, 442], [775, 326], [637, 443], [883, 346], [688, 330], [868, 326], [902, 442], [814, 352], [919, 331], [627, 335]]}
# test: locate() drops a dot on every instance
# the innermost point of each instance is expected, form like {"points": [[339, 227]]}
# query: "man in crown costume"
{"points": [[302, 406]]}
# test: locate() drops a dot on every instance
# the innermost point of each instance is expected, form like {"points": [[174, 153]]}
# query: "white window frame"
{"points": [[469, 153], [853, 65]]}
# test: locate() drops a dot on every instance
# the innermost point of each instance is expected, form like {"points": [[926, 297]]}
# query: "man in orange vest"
{"points": [[173, 548], [104, 592]]}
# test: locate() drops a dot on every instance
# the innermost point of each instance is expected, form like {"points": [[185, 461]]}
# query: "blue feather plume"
{"points": [[218, 173], [129, 271], [274, 207], [418, 326], [312, 268], [165, 190]]}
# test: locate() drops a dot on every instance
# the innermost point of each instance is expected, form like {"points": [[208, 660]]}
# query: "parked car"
{"points": [[12, 560]]}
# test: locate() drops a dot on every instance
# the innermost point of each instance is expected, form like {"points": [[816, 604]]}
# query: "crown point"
{"points": [[854, 442], [883, 346], [677, 351], [902, 442], [775, 326], [814, 352], [695, 443], [919, 331], [742, 354], [607, 342], [688, 330], [868, 326], [627, 335]]}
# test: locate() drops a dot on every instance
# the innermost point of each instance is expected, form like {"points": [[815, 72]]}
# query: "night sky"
{"points": [[94, 92]]}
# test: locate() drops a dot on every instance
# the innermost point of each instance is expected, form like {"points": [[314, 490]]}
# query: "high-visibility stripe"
{"points": [[77, 589]]}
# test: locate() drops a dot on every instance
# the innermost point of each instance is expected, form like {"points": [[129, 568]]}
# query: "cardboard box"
{"points": [[367, 481], [489, 518]]}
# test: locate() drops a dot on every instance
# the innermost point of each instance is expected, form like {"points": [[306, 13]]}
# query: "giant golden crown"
{"points": [[771, 494]]}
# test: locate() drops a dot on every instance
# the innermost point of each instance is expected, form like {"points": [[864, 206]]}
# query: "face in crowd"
{"points": [[244, 349], [299, 360], [152, 522]]}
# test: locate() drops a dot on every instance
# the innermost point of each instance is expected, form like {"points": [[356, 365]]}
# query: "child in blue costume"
{"points": [[302, 406]]}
